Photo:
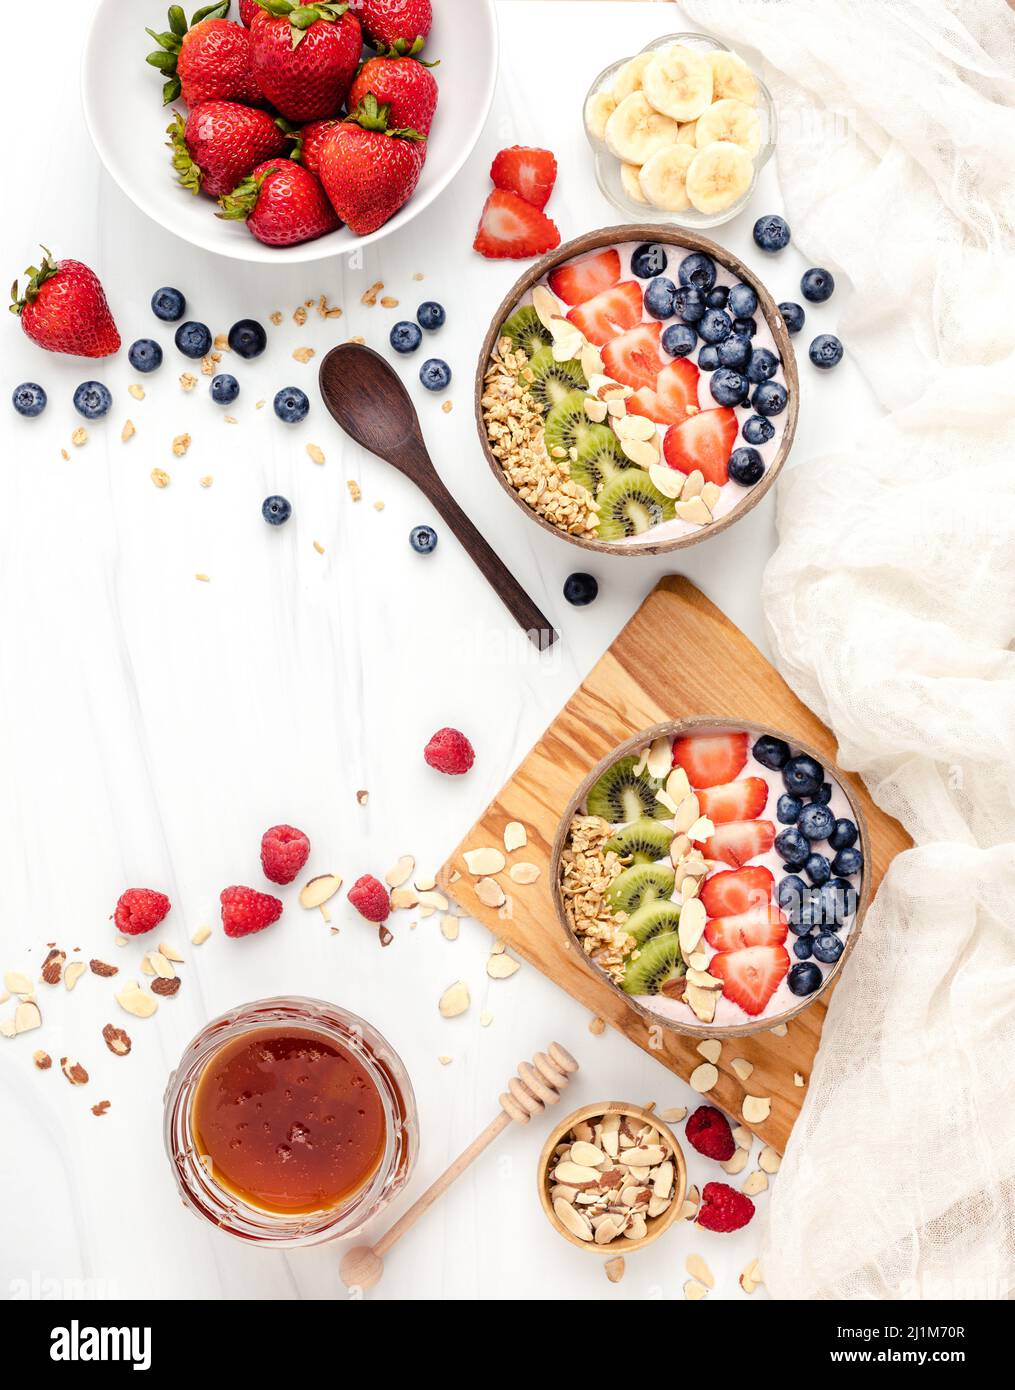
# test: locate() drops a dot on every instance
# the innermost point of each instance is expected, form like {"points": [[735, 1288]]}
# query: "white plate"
{"points": [[123, 110]]}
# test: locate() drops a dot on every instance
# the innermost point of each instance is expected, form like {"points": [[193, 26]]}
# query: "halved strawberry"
{"points": [[734, 891], [752, 976], [739, 841], [529, 173], [601, 318], [704, 441], [580, 281], [710, 759], [645, 402], [741, 800], [677, 388], [510, 228], [764, 926], [634, 357]]}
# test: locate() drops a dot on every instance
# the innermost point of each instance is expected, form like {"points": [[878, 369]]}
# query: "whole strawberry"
{"points": [[284, 851], [139, 910], [304, 57], [708, 1131], [723, 1208], [245, 911], [220, 144], [450, 751], [368, 169], [209, 61], [310, 142], [398, 26], [282, 204], [64, 309], [370, 899], [404, 84]]}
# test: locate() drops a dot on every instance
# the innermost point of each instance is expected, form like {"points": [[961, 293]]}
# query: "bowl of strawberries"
{"points": [[269, 130]]}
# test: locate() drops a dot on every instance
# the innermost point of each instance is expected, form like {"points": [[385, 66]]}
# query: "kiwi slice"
{"points": [[554, 381], [643, 842], [600, 458], [526, 332], [652, 919], [567, 425], [629, 504], [658, 960], [639, 885], [621, 795]]}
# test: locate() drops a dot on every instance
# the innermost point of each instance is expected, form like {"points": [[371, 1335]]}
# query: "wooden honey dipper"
{"points": [[537, 1085]]}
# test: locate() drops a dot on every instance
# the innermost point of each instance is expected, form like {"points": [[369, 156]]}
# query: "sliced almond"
{"points": [[433, 900], [171, 953], [455, 1000], [567, 347], [403, 899], [666, 800], [698, 1269], [17, 983], [674, 1115], [743, 1138], [588, 1155], [595, 410], [693, 510], [741, 1068], [680, 847], [640, 1156], [756, 1109], [662, 1180], [591, 360], [688, 811], [694, 1291], [701, 978], [573, 1221], [737, 1163], [401, 872], [485, 1018], [665, 479], [449, 928], [162, 967], [755, 1184], [779, 1030], [636, 427], [693, 484], [200, 936], [677, 785], [547, 306], [490, 893], [27, 1016], [486, 860], [501, 967], [798, 1079], [691, 926], [424, 883], [523, 873], [701, 830], [515, 836], [698, 960], [769, 1161], [318, 890], [702, 1002], [710, 1049], [660, 756], [73, 973], [636, 1229], [690, 887], [710, 495], [704, 1077], [614, 1268], [135, 1001], [641, 452]]}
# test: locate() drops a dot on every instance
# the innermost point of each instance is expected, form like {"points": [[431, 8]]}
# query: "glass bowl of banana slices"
{"points": [[682, 128]]}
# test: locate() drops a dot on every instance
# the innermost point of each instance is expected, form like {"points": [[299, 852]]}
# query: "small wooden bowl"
{"points": [[686, 241], [656, 1224], [671, 729]]}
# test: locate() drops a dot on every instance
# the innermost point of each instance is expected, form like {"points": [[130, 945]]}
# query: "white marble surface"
{"points": [[152, 726]]}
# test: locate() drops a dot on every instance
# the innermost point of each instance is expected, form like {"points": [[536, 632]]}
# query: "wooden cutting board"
{"points": [[641, 681]]}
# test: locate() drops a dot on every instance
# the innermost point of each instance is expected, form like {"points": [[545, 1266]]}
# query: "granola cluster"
{"points": [[587, 870]]}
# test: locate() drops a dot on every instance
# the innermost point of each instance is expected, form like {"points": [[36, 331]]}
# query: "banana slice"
{"points": [[636, 130], [630, 178], [719, 175], [731, 77], [678, 83], [664, 177], [598, 110], [730, 120], [629, 78], [687, 134]]}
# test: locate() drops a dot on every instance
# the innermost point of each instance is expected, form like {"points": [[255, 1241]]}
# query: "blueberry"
{"points": [[845, 895], [843, 835], [193, 339], [833, 905], [698, 270], [817, 869], [804, 978], [746, 466], [92, 400], [406, 337], [817, 284], [823, 795], [580, 589], [708, 358], [224, 389], [745, 328], [423, 540], [794, 866], [145, 355], [809, 915], [742, 301], [679, 339], [769, 398], [791, 895], [689, 303], [718, 298], [770, 752], [802, 775], [816, 822], [791, 845], [435, 374], [649, 260], [29, 399], [763, 366], [168, 304], [715, 326], [825, 351], [728, 387], [276, 510], [792, 316], [292, 405], [247, 338], [771, 232], [431, 315], [827, 947], [735, 352], [660, 298], [803, 949], [847, 862], [788, 808], [756, 429]]}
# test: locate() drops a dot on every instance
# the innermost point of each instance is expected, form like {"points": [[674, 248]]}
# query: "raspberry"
{"points": [[450, 751], [708, 1131], [370, 899], [245, 911], [723, 1208], [284, 851], [139, 910]]}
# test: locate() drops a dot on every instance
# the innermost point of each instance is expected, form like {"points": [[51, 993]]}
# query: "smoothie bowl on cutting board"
{"points": [[714, 872], [637, 390]]}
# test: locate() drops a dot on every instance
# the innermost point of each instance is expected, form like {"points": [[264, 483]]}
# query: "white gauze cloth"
{"points": [[890, 606]]}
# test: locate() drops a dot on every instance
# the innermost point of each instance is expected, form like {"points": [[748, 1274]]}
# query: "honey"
{"points": [[288, 1120]]}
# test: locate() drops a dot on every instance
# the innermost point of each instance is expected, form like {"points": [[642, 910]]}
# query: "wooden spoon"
{"points": [[368, 400]]}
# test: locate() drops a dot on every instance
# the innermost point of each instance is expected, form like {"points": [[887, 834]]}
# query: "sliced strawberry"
{"points": [[742, 800], [510, 228], [677, 388], [752, 976], [704, 441], [645, 402], [734, 891], [609, 313], [529, 173], [634, 357], [710, 759], [764, 926], [739, 841], [579, 281]]}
